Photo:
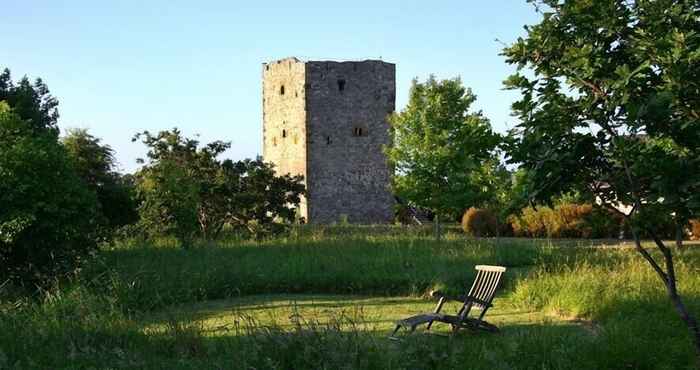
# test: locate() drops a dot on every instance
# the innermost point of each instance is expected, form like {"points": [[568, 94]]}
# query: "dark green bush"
{"points": [[479, 222], [47, 215]]}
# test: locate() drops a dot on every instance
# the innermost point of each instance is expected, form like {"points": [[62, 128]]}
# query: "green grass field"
{"points": [[326, 298]]}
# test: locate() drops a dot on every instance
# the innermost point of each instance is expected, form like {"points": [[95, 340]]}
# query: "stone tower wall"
{"points": [[330, 126], [347, 105], [284, 118]]}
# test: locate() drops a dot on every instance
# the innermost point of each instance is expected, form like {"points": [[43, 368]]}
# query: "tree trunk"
{"points": [[669, 279], [687, 318]]}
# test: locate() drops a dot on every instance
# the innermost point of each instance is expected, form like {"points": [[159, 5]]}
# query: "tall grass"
{"points": [[96, 321], [623, 300], [149, 277]]}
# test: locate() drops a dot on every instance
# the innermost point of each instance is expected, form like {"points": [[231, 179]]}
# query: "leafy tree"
{"points": [[186, 191], [169, 185], [47, 214], [257, 197], [441, 150], [95, 164], [610, 107], [31, 101]]}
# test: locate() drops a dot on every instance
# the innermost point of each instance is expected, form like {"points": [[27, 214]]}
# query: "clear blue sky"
{"points": [[119, 67]]}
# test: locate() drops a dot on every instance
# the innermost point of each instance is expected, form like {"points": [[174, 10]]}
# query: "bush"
{"points": [[532, 222], [479, 222], [47, 216], [695, 229], [566, 220]]}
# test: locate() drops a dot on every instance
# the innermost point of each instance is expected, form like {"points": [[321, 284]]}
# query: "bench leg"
{"points": [[488, 327], [393, 334]]}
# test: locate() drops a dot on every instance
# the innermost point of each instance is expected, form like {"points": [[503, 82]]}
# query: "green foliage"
{"points": [[187, 192], [611, 105], [609, 108], [479, 222], [169, 185], [441, 151], [95, 164], [47, 216], [31, 101], [258, 199]]}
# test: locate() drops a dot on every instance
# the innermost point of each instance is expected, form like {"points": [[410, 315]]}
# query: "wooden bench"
{"points": [[479, 298]]}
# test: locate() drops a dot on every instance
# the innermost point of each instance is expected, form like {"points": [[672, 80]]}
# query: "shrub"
{"points": [[47, 214], [604, 223], [531, 222], [566, 220], [695, 229], [479, 222]]}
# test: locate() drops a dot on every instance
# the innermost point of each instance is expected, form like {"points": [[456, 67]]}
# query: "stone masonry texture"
{"points": [[327, 121]]}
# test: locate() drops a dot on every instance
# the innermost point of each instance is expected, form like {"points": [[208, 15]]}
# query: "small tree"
{"points": [[172, 184], [47, 214], [440, 148], [257, 197], [186, 191], [611, 108], [95, 164], [32, 102]]}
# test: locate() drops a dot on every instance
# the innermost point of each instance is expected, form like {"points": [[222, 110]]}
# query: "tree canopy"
{"points": [[609, 106], [95, 164], [47, 216], [441, 150], [32, 102], [185, 190]]}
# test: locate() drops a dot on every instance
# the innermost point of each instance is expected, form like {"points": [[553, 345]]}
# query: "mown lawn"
{"points": [[326, 299]]}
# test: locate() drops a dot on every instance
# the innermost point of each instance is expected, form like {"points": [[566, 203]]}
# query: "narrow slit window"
{"points": [[284, 133], [341, 85], [282, 90], [359, 132], [328, 140]]}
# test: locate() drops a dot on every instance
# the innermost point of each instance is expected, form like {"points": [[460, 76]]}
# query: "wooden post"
{"points": [[436, 227], [679, 235]]}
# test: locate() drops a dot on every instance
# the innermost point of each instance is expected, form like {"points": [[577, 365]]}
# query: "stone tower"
{"points": [[328, 122]]}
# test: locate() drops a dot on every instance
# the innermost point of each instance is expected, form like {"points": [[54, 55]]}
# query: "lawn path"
{"points": [[373, 314]]}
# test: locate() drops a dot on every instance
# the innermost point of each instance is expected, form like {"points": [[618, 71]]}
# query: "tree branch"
{"points": [[668, 257], [648, 257]]}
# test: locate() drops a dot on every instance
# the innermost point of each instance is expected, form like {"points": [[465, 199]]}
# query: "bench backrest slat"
{"points": [[485, 283]]}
